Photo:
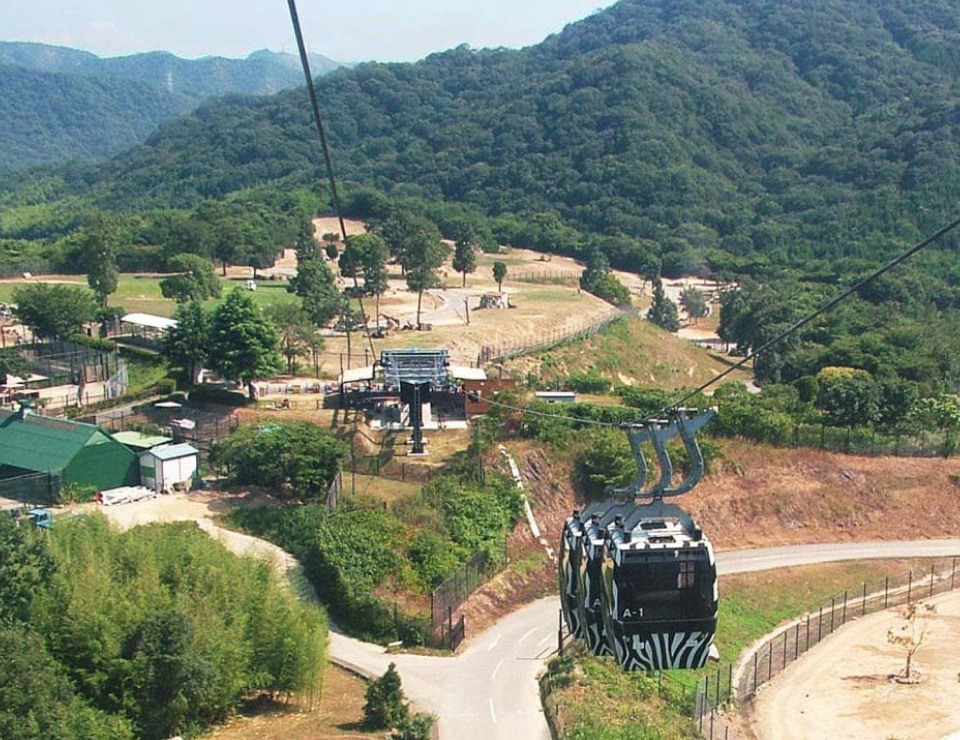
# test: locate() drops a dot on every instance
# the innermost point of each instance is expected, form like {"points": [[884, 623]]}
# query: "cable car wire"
{"points": [[796, 326], [312, 91]]}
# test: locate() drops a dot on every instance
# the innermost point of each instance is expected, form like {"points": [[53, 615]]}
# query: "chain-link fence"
{"points": [[447, 598], [31, 489], [544, 341], [787, 645]]}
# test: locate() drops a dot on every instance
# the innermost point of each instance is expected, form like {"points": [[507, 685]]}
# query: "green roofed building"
{"points": [[78, 453]]}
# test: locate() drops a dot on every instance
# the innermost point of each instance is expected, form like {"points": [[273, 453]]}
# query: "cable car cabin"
{"points": [[659, 590], [569, 570], [589, 588]]}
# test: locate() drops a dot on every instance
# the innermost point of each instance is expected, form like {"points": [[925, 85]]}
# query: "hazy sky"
{"points": [[346, 30]]}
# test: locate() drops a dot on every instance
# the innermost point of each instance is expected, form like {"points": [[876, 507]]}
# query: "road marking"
{"points": [[494, 643], [492, 713], [532, 630], [494, 674]]}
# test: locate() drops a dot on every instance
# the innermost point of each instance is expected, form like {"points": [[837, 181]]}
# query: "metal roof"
{"points": [[42, 443], [149, 320], [172, 452], [465, 372], [414, 366], [141, 440], [357, 374]]}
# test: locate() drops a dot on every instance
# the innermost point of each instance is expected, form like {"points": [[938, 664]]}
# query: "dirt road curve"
{"points": [[490, 691], [841, 689]]}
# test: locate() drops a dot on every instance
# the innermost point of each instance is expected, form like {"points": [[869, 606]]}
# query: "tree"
{"points": [[195, 279], [465, 253], [101, 236], [597, 266], [663, 311], [295, 331], [13, 363], [385, 707], [499, 273], [424, 253], [314, 283], [25, 568], [694, 303], [186, 343], [941, 413], [243, 342], [306, 243], [295, 459], [375, 276], [848, 396], [909, 635], [226, 242], [54, 311]]}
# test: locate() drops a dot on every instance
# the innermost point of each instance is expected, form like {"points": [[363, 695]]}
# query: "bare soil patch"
{"points": [[761, 496], [841, 689], [338, 716]]}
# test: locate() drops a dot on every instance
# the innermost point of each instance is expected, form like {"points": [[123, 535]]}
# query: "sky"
{"points": [[346, 30]]}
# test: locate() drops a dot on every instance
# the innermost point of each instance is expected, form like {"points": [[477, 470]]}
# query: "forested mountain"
{"points": [[49, 117], [789, 127], [263, 72], [63, 104]]}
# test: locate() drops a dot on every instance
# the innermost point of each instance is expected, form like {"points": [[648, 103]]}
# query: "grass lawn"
{"points": [[142, 293], [596, 699]]}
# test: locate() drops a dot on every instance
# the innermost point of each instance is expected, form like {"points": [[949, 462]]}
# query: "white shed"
{"points": [[167, 467]]}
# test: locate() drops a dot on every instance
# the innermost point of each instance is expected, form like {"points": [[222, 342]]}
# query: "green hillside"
{"points": [[783, 127], [263, 72], [50, 117]]}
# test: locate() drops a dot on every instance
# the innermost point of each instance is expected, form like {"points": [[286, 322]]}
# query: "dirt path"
{"points": [[841, 688]]}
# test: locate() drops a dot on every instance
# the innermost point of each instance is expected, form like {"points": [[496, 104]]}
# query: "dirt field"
{"points": [[841, 689], [338, 716]]}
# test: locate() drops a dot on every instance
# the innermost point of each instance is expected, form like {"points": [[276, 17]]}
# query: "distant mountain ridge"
{"points": [[263, 72]]}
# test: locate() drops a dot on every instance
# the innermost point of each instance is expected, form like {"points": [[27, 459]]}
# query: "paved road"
{"points": [[451, 312], [490, 691]]}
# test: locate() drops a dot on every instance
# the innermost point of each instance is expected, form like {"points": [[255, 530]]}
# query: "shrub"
{"points": [[165, 386], [220, 396], [605, 460], [385, 706], [294, 458], [591, 381]]}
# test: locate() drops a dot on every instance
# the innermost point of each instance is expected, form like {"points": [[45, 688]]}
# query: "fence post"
{"points": [[756, 656], [717, 702], [953, 574], [806, 644], [729, 682], [706, 696], [796, 642], [785, 633], [863, 609], [833, 610], [560, 633], [886, 591], [933, 576], [843, 620], [910, 586], [820, 626], [769, 661]]}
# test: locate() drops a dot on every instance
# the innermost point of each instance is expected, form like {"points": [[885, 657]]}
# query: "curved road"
{"points": [[490, 690]]}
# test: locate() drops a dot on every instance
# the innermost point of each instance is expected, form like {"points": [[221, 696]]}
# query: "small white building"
{"points": [[169, 467]]}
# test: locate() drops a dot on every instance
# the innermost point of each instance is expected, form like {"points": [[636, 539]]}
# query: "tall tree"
{"points": [[227, 239], [465, 252], [306, 244], [294, 329], [243, 342], [101, 239], [694, 303], [54, 311], [423, 255], [499, 273], [186, 344], [367, 255], [663, 311], [315, 284], [194, 280]]}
